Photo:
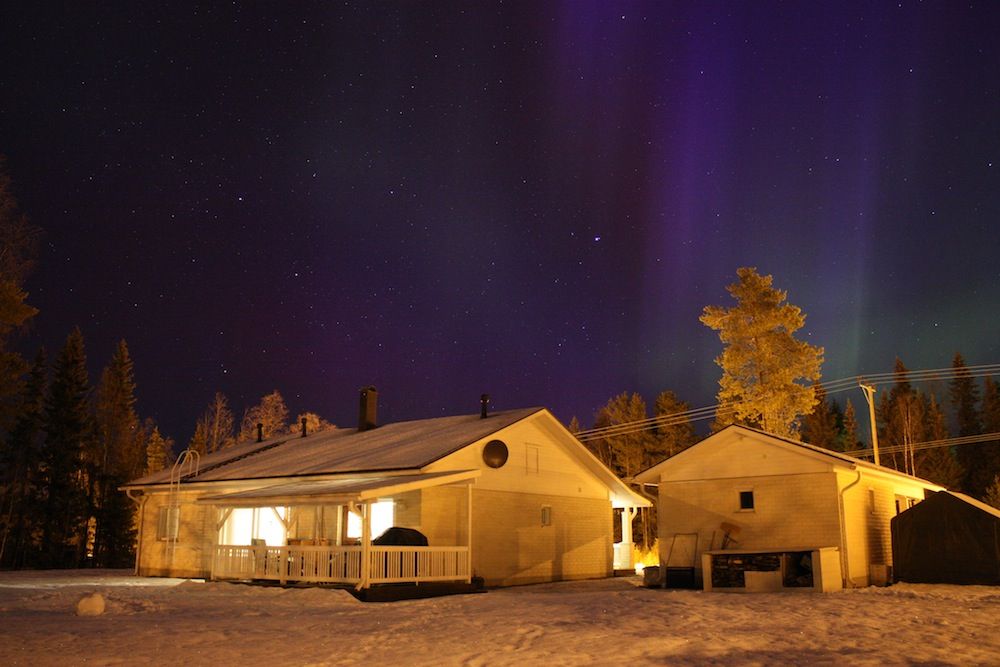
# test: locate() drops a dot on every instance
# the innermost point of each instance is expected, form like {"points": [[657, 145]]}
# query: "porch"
{"points": [[323, 532]]}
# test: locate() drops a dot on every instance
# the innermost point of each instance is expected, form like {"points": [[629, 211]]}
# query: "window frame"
{"points": [[168, 523], [743, 495]]}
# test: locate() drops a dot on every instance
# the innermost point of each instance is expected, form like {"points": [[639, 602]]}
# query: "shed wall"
{"points": [[793, 510]]}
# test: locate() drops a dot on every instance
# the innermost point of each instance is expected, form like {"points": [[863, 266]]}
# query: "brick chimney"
{"points": [[367, 409]]}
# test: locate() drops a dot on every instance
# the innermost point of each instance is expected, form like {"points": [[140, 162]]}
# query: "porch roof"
{"points": [[337, 491]]}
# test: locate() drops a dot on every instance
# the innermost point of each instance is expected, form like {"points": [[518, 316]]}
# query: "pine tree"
{"points": [[819, 427], [159, 452], [20, 463], [271, 412], [849, 433], [975, 458], [117, 457], [199, 441], [628, 453], [68, 432], [964, 395], [992, 495], [762, 360], [678, 434], [18, 240], [938, 464], [574, 425], [989, 453]]}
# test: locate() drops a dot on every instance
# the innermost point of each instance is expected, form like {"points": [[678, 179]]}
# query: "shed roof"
{"points": [[408, 445], [969, 500], [651, 474]]}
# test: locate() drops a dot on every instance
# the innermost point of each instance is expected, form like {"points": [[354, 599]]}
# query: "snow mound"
{"points": [[90, 605]]}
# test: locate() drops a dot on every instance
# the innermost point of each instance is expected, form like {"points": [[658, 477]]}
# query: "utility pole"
{"points": [[870, 397]]}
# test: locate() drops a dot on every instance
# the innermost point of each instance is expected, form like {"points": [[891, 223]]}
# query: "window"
{"points": [[246, 524], [746, 500], [382, 520], [546, 515], [168, 523], [531, 459]]}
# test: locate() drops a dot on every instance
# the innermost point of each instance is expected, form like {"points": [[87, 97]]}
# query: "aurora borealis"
{"points": [[533, 200]]}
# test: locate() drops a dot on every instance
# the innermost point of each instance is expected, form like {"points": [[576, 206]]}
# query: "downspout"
{"points": [[141, 502], [843, 530]]}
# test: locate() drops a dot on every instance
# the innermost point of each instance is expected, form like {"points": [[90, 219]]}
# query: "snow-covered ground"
{"points": [[610, 621]]}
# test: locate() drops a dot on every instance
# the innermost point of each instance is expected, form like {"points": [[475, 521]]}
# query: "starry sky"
{"points": [[530, 199]]}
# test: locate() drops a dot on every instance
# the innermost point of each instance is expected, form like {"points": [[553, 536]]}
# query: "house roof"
{"points": [[651, 475], [408, 445], [339, 491]]}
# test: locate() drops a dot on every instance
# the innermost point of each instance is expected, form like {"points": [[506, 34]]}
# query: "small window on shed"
{"points": [[546, 515], [746, 500]]}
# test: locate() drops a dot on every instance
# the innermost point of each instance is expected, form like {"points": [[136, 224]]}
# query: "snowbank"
{"points": [[169, 620]]}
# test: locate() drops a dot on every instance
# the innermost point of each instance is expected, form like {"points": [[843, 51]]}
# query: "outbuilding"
{"points": [[794, 515], [950, 538]]}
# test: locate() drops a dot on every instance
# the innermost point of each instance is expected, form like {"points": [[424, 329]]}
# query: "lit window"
{"points": [[746, 500], [382, 519], [168, 523], [246, 524]]}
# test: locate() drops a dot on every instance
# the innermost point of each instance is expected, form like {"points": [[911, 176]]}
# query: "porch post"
{"points": [[625, 550], [468, 553], [366, 544]]}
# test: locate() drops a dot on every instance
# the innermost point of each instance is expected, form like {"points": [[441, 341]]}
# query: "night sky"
{"points": [[530, 199]]}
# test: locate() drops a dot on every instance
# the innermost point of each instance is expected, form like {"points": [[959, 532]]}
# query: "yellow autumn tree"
{"points": [[762, 362]]}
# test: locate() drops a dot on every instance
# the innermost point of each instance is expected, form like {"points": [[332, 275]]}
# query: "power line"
{"points": [[928, 444], [831, 387]]}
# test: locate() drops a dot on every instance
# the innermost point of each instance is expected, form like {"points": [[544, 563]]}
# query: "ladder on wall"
{"points": [[186, 465]]}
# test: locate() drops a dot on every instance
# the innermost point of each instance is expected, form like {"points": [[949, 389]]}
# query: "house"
{"points": [[949, 538], [747, 509], [510, 497]]}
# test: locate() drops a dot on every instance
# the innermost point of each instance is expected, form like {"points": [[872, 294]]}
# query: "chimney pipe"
{"points": [[260, 432], [303, 427], [367, 408], [484, 400]]}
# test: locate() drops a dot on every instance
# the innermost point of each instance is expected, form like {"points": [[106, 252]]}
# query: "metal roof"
{"points": [[338, 491], [648, 475], [409, 445]]}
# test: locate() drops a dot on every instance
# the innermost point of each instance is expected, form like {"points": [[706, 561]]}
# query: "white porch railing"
{"points": [[395, 564], [341, 564]]}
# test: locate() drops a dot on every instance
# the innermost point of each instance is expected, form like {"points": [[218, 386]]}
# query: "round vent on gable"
{"points": [[495, 453]]}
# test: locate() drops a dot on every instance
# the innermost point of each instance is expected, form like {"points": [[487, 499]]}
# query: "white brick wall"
{"points": [[510, 545], [789, 511]]}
